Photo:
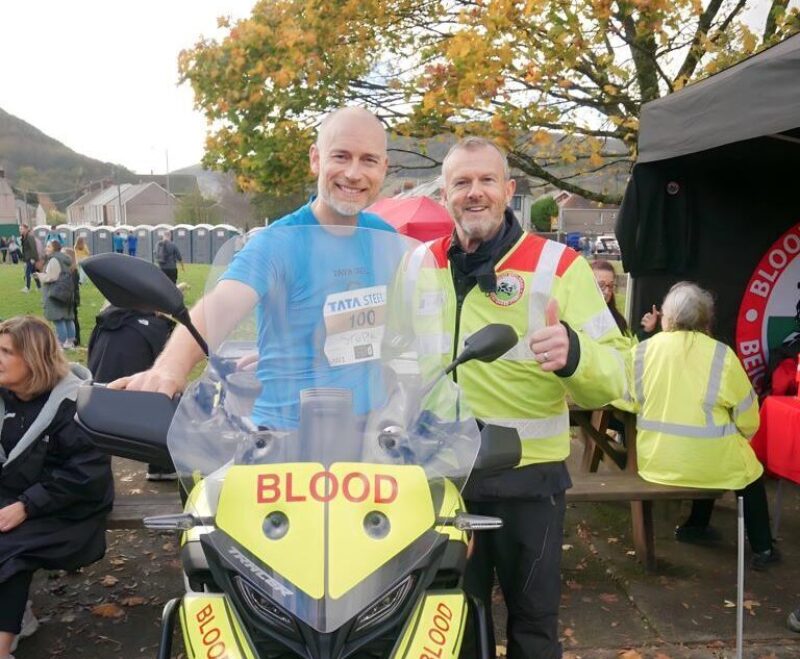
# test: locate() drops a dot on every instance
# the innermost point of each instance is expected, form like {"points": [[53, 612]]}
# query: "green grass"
{"points": [[13, 302]]}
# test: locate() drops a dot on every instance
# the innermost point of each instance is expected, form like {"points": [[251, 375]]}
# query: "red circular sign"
{"points": [[769, 306]]}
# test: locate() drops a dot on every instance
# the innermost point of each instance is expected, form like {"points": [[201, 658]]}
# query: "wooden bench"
{"points": [[623, 485], [130, 509], [627, 486]]}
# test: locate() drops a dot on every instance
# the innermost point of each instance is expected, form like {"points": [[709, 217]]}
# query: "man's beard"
{"points": [[343, 208]]}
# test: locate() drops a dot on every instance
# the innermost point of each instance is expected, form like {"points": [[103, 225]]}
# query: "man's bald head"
{"points": [[349, 116], [349, 161]]}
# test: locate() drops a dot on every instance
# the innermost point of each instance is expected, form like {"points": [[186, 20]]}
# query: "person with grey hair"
{"points": [[696, 411]]}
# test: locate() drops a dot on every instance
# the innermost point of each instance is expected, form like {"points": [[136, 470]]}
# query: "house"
{"points": [[144, 203], [577, 214], [8, 209]]}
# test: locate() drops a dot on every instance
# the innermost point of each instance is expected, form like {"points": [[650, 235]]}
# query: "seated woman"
{"points": [[606, 276], [55, 487], [696, 412]]}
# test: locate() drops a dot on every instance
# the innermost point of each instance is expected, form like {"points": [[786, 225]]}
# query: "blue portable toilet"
{"points": [[201, 243], [144, 245], [221, 234], [67, 234], [182, 238], [88, 236], [41, 233], [103, 240]]}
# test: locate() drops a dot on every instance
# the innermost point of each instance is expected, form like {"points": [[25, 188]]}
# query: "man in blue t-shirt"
{"points": [[350, 162]]}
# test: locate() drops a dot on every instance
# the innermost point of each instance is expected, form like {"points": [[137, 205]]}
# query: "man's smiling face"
{"points": [[350, 163], [476, 193]]}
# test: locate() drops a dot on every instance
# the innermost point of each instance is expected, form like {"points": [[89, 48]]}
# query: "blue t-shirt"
{"points": [[302, 277]]}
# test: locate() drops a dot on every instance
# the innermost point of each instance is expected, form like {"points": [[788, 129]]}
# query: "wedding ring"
{"points": [[546, 356]]}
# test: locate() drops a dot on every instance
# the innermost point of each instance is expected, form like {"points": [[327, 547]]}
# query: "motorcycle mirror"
{"points": [[129, 282], [487, 344]]}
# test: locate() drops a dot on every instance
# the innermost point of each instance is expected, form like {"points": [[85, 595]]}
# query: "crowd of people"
{"points": [[695, 407]]}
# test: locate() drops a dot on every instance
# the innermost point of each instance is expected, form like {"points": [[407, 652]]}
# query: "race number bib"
{"points": [[354, 325]]}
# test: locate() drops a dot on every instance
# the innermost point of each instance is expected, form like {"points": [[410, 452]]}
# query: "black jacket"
{"points": [[64, 482], [124, 342], [61, 473]]}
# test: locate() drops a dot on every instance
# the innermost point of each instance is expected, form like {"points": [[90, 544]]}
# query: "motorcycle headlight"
{"points": [[386, 605], [262, 606]]}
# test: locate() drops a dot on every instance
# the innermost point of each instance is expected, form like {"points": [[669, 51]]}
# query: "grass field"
{"points": [[13, 302]]}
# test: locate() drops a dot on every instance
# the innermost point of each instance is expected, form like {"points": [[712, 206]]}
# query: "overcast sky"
{"points": [[100, 75]]}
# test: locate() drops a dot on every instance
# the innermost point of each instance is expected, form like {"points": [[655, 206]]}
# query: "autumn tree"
{"points": [[559, 83]]}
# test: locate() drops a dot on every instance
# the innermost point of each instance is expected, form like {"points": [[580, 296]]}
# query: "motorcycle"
{"points": [[323, 510]]}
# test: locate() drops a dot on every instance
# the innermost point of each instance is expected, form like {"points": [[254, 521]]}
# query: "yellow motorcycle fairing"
{"points": [[435, 629], [328, 548], [210, 629]]}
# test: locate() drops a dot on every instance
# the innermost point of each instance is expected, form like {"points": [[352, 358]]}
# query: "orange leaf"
{"points": [[109, 581], [108, 610]]}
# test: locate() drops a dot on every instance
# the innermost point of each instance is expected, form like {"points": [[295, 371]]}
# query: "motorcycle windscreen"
{"points": [[324, 426]]}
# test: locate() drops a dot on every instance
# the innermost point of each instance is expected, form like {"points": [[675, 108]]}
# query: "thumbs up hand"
{"points": [[550, 345], [650, 320]]}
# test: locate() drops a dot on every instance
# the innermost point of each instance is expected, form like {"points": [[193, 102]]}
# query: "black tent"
{"points": [[716, 184]]}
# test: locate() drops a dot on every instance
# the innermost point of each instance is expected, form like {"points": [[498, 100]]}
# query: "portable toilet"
{"points": [[220, 234], [201, 243], [67, 234], [158, 230], [41, 233], [103, 241], [144, 245], [182, 238], [88, 236]]}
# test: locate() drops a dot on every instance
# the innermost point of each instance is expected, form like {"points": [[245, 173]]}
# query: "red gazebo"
{"points": [[418, 217]]}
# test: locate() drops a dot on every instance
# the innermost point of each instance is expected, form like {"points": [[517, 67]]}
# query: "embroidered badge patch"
{"points": [[510, 287]]}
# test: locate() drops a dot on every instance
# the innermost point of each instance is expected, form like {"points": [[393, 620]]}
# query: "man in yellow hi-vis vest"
{"points": [[568, 346]]}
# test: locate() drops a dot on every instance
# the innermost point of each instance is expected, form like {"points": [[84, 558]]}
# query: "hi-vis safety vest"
{"points": [[696, 410], [513, 390]]}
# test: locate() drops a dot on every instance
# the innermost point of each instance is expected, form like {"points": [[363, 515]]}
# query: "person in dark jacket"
{"points": [[76, 291], [124, 342], [55, 486], [30, 255]]}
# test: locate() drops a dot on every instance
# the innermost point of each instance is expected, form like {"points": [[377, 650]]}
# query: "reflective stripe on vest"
{"points": [[536, 428], [434, 344], [710, 430], [745, 405], [542, 279], [599, 324]]}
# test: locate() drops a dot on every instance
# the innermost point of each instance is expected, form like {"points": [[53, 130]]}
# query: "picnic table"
{"points": [[624, 484]]}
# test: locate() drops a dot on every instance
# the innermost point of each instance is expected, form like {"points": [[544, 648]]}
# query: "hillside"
{"points": [[33, 160]]}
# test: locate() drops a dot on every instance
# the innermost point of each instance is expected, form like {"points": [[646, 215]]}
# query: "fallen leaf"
{"points": [[661, 655], [108, 610], [629, 654], [568, 632], [609, 598], [134, 600], [612, 541], [630, 553], [109, 580], [729, 605], [685, 605], [566, 547]]}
